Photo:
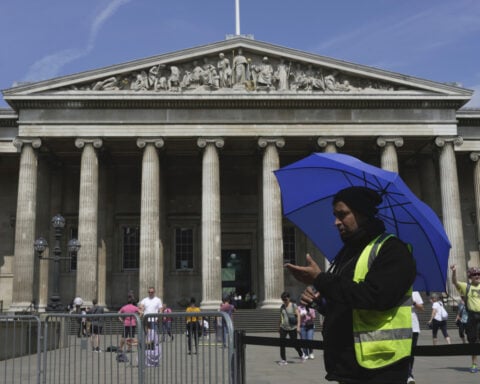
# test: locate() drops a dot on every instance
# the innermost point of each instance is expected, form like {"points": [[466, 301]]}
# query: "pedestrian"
{"points": [[417, 305], [307, 328], [97, 325], [76, 308], [289, 325], [471, 291], [227, 308], [152, 305], [438, 319], [194, 325], [129, 324], [364, 295], [462, 319], [166, 323]]}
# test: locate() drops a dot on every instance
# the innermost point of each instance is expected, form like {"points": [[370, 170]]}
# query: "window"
{"points": [[184, 248], [73, 234], [131, 246], [289, 245]]}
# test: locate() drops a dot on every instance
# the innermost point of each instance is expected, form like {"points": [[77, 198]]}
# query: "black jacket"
{"points": [[389, 278]]}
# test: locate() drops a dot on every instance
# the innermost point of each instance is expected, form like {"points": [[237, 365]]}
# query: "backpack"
{"points": [[292, 317], [122, 357]]}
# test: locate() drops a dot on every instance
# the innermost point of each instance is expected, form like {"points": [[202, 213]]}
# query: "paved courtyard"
{"points": [[262, 367]]}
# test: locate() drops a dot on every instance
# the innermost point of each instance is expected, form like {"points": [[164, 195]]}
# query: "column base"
{"points": [[22, 307], [271, 304], [211, 305]]}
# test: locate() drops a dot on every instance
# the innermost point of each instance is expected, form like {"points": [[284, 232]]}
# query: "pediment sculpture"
{"points": [[241, 72]]}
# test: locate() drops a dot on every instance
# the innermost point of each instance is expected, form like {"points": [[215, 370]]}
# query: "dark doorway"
{"points": [[236, 274]]}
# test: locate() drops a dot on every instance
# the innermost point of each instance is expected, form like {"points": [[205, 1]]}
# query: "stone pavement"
{"points": [[262, 367]]}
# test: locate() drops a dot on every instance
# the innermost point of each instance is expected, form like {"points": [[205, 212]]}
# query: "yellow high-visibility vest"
{"points": [[381, 337]]}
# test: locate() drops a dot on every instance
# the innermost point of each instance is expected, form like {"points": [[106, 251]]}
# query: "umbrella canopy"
{"points": [[309, 185]]}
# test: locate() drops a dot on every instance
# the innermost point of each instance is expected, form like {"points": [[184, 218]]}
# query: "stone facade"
{"points": [[172, 157]]}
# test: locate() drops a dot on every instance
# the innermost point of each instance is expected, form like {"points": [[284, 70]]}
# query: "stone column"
{"points": [[452, 215], [151, 247], [475, 157], [330, 144], [389, 159], [87, 260], [211, 224], [24, 260], [272, 224]]}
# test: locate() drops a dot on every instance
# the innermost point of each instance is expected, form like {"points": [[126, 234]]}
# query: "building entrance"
{"points": [[236, 275]]}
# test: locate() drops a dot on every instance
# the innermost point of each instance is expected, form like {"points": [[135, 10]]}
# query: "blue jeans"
{"points": [[306, 333]]}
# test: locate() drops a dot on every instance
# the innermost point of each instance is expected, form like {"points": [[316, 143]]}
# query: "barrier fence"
{"points": [[53, 349]]}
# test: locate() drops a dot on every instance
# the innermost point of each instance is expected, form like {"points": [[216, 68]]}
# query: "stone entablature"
{"points": [[239, 71]]}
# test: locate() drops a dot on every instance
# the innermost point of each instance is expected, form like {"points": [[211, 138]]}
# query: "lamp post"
{"points": [[58, 224]]}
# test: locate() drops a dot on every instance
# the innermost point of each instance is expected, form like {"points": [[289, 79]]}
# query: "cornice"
{"points": [[222, 102]]}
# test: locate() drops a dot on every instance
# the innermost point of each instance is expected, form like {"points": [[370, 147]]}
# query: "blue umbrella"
{"points": [[308, 186]]}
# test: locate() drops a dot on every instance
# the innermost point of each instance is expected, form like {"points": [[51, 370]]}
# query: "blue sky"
{"points": [[437, 40]]}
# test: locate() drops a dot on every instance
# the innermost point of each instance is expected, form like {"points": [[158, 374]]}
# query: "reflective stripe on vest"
{"points": [[380, 337]]}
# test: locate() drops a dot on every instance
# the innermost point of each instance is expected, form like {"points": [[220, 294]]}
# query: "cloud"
{"points": [[50, 66]]}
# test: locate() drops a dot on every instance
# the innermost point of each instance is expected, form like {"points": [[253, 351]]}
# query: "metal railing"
{"points": [[53, 349]]}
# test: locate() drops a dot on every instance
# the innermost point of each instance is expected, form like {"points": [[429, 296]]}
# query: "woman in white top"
{"points": [[438, 319]]}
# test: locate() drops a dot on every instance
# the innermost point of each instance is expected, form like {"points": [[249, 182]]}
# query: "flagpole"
{"points": [[237, 17]]}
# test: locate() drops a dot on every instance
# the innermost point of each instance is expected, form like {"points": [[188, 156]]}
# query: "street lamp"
{"points": [[58, 223]]}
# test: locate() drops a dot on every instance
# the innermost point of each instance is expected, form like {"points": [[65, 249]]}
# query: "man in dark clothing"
{"points": [[385, 287]]}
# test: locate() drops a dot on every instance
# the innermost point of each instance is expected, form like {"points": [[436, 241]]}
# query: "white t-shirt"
{"points": [[417, 299], [151, 305], [438, 310]]}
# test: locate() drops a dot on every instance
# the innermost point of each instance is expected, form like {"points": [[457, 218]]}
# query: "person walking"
{"points": [[129, 324], [364, 295], [97, 325], [166, 322], [193, 325], [289, 325], [307, 328], [438, 319], [152, 305], [471, 291], [227, 308], [462, 319]]}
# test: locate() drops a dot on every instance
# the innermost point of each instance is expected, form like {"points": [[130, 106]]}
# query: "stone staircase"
{"points": [[260, 320]]}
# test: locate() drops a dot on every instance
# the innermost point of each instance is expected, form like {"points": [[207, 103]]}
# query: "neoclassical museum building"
{"points": [[163, 169]]}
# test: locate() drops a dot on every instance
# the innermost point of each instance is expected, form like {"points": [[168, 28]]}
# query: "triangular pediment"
{"points": [[237, 67]]}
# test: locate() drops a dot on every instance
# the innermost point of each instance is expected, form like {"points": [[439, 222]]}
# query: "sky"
{"points": [[438, 40]]}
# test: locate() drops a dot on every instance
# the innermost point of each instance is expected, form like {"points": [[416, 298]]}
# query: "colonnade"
{"points": [[151, 248]]}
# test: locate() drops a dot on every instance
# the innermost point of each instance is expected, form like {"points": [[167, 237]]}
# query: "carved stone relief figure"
{"points": [[210, 75], [224, 71], [140, 83], [173, 81], [264, 73], [255, 73], [282, 75], [240, 68], [109, 84]]}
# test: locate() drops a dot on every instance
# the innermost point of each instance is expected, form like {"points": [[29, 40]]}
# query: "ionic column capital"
{"points": [[474, 156], [96, 142], [325, 141], [202, 142], [382, 141], [441, 141], [35, 142], [158, 142], [279, 142]]}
